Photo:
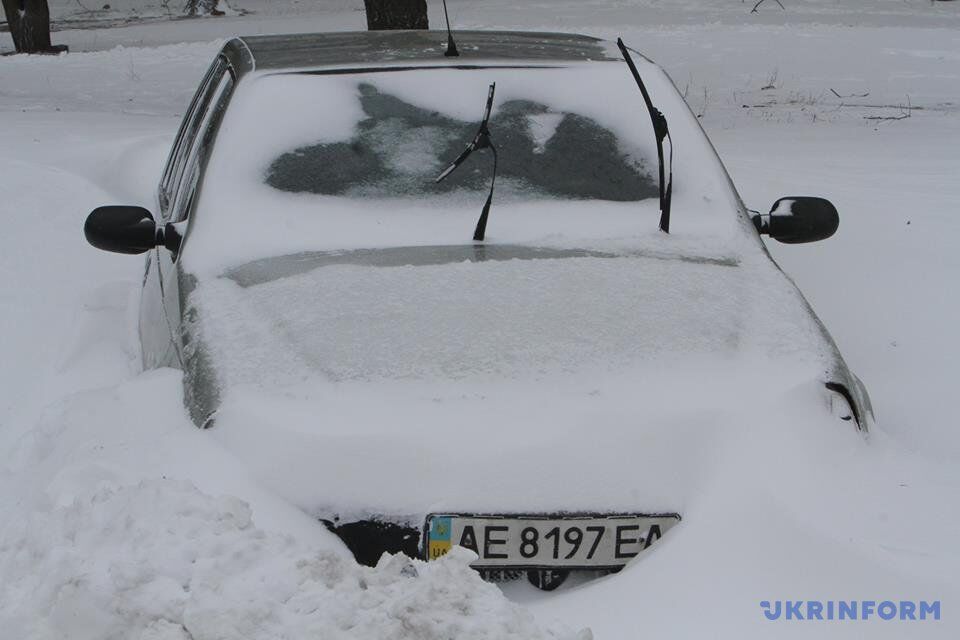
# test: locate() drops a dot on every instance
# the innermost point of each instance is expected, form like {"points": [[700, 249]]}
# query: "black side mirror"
{"points": [[797, 219], [123, 229]]}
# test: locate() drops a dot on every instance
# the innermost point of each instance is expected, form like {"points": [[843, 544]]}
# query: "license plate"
{"points": [[533, 542]]}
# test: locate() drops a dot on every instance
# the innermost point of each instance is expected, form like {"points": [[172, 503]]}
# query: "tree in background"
{"points": [[203, 8], [29, 23], [396, 14]]}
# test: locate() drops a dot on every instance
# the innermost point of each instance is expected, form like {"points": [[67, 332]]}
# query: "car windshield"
{"points": [[348, 160], [398, 147]]}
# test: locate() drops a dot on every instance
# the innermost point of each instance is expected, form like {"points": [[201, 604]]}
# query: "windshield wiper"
{"points": [[480, 141], [662, 132]]}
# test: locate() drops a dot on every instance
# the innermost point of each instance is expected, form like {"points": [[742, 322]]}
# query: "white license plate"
{"points": [[531, 542]]}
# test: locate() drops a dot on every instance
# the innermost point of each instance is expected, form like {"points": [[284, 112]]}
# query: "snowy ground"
{"points": [[119, 519]]}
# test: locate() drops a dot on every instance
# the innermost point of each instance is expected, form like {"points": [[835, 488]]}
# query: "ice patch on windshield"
{"points": [[413, 154]]}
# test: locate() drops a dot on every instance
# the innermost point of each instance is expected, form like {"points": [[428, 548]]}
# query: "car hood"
{"points": [[644, 442], [398, 383], [458, 312]]}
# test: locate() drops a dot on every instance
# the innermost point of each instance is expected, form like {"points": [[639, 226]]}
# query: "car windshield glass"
{"points": [[398, 147], [348, 160]]}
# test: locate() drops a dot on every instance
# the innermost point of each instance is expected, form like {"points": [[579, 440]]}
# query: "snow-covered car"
{"points": [[493, 300]]}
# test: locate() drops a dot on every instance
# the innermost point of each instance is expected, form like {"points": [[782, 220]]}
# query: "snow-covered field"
{"points": [[118, 519]]}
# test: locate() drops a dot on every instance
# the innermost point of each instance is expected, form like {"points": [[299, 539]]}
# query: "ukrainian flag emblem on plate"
{"points": [[440, 533]]}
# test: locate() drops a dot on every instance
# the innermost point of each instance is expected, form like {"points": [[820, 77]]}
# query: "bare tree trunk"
{"points": [[396, 14], [29, 22], [202, 8]]}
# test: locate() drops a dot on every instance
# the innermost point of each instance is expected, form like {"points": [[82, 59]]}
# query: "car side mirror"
{"points": [[125, 229], [797, 219]]}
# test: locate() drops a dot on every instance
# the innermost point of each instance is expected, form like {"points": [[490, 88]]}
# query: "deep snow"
{"points": [[107, 492]]}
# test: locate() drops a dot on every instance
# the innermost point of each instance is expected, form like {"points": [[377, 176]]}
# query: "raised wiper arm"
{"points": [[480, 141], [661, 131]]}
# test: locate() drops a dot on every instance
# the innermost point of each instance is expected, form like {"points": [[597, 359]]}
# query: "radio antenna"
{"points": [[451, 45]]}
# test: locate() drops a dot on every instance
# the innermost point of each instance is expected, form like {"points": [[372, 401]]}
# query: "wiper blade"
{"points": [[480, 141], [662, 133]]}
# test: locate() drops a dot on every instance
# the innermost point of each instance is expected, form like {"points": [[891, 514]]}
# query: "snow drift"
{"points": [[161, 560]]}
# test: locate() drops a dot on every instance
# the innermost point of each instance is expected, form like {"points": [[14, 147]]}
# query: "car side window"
{"points": [[192, 121], [196, 152]]}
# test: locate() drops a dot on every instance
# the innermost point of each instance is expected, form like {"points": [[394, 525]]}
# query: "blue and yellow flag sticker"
{"points": [[440, 532]]}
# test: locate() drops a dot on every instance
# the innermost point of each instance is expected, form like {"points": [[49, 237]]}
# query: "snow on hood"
{"points": [[493, 318], [409, 387], [642, 441]]}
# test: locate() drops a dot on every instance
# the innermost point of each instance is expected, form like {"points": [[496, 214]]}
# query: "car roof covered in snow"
{"points": [[320, 50]]}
